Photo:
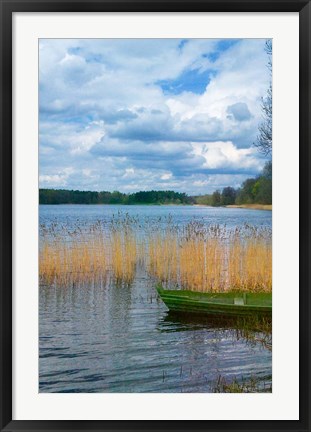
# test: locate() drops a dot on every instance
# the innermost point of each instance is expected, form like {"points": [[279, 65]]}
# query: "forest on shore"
{"points": [[256, 190]]}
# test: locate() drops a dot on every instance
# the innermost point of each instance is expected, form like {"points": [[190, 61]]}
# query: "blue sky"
{"points": [[141, 114]]}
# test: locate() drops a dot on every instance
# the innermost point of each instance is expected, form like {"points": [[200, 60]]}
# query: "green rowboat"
{"points": [[227, 304]]}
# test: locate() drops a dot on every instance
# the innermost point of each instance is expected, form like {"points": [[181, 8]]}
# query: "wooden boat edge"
{"points": [[181, 302]]}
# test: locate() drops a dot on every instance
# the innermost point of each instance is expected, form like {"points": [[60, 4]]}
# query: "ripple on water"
{"points": [[136, 347]]}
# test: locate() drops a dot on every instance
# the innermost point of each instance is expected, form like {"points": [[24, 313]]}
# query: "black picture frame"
{"points": [[7, 9]]}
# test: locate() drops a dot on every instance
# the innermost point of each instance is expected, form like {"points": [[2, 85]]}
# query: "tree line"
{"points": [[63, 196], [256, 190]]}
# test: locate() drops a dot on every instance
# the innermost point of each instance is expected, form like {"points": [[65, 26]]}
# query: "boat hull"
{"points": [[226, 304]]}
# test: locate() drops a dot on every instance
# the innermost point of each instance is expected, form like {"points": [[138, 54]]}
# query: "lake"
{"points": [[112, 337]]}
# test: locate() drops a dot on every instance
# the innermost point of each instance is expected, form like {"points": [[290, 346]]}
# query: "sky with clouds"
{"points": [[142, 114]]}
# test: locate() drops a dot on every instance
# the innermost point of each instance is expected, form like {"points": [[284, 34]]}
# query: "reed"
{"points": [[76, 261], [250, 385], [124, 256], [196, 257], [217, 260]]}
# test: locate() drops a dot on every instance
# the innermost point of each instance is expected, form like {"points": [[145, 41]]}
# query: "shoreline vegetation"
{"points": [[195, 257], [254, 193], [252, 206], [148, 198]]}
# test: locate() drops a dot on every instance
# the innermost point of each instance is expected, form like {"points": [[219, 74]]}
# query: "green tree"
{"points": [[228, 196], [267, 170], [262, 191], [246, 193], [203, 199], [216, 199]]}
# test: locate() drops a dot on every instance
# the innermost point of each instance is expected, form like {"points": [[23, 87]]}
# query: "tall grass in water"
{"points": [[162, 257], [251, 385], [250, 263], [76, 260], [72, 255], [123, 247], [194, 257], [214, 259]]}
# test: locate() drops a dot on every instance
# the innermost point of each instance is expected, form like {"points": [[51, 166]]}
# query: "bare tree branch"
{"points": [[264, 139]]}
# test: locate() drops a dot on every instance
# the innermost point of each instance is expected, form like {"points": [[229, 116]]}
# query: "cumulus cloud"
{"points": [[239, 111], [58, 179], [167, 113], [226, 155]]}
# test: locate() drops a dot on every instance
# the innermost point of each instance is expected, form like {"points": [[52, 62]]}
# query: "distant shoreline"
{"points": [[126, 205], [242, 206], [252, 206]]}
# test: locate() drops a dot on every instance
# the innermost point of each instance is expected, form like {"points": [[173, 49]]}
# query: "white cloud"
{"points": [[129, 172], [201, 183], [52, 180], [225, 154], [103, 111], [166, 176], [59, 179]]}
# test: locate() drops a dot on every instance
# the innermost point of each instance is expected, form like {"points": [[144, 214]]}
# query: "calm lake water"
{"points": [[120, 338]]}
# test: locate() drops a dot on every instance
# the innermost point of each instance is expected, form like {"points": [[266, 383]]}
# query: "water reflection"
{"points": [[120, 338]]}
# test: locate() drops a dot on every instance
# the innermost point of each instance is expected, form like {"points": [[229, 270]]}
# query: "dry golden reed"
{"points": [[75, 261], [214, 264], [195, 257]]}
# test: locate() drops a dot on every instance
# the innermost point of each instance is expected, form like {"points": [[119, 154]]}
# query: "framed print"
{"points": [[155, 215]]}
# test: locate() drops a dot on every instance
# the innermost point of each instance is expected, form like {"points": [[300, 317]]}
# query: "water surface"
{"points": [[109, 337]]}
